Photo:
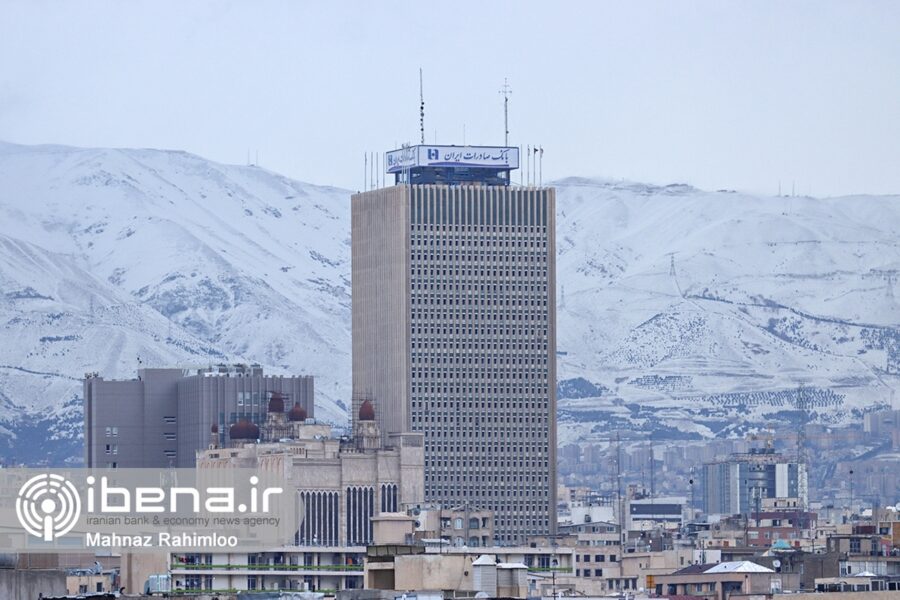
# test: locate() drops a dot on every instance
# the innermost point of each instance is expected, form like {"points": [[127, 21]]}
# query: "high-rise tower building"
{"points": [[739, 484], [454, 327]]}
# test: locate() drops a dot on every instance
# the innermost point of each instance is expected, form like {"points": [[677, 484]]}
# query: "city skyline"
{"points": [[611, 312]]}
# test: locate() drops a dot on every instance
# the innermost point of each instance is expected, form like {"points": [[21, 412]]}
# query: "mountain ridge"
{"points": [[677, 307]]}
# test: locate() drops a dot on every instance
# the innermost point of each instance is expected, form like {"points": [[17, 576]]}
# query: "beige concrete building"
{"points": [[457, 526], [451, 574], [454, 335], [720, 581], [511, 572], [341, 486]]}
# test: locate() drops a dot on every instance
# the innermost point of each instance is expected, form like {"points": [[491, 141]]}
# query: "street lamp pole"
{"points": [[851, 495], [553, 564]]}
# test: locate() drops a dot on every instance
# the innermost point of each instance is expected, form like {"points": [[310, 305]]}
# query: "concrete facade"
{"points": [[510, 572], [454, 336], [27, 583], [457, 526], [342, 488], [164, 416], [718, 582]]}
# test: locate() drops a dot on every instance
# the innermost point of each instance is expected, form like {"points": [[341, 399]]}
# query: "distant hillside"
{"points": [[681, 311]]}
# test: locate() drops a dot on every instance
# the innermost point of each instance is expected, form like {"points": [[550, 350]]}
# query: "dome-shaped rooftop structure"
{"points": [[367, 411], [244, 430], [276, 402], [297, 413]]}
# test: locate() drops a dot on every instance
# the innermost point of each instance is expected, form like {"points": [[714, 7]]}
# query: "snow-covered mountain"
{"points": [[111, 255], [697, 314], [678, 309]]}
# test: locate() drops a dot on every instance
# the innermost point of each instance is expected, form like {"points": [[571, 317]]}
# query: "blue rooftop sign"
{"points": [[500, 158]]}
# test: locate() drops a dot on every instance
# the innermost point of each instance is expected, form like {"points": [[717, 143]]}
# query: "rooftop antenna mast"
{"points": [[505, 91], [541, 167], [421, 108]]}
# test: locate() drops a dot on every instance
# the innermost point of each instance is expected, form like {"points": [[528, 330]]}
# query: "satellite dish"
{"points": [[776, 563]]}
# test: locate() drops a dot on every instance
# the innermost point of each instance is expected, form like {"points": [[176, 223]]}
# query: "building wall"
{"points": [[163, 417], [740, 484], [292, 568], [380, 305], [454, 335], [223, 399], [338, 487], [160, 417], [16, 583], [117, 415], [434, 572]]}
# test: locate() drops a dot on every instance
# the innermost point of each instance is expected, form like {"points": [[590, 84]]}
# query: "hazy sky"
{"points": [[718, 94]]}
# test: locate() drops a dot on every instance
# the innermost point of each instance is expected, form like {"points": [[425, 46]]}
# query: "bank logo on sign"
{"points": [[432, 154], [48, 506]]}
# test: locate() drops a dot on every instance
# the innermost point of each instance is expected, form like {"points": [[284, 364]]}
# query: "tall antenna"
{"points": [[802, 490], [619, 510], [421, 107], [541, 167], [528, 164], [505, 91], [366, 172]]}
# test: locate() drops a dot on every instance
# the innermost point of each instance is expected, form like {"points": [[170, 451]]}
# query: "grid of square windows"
{"points": [[479, 350]]}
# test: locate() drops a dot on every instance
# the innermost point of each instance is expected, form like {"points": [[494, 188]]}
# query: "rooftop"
{"points": [[741, 566]]}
